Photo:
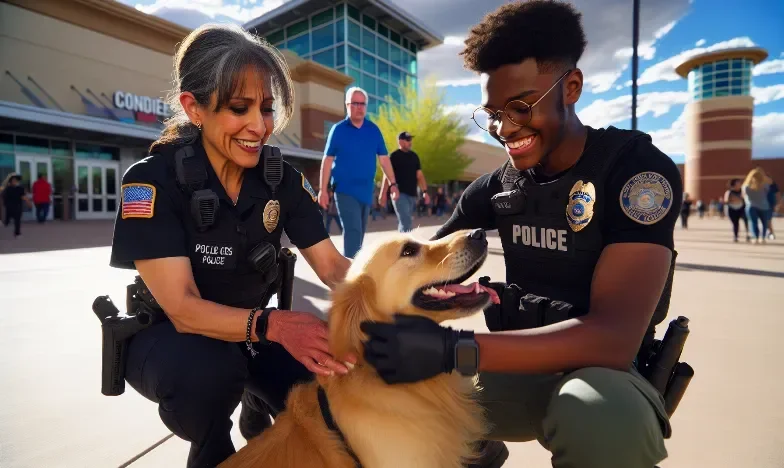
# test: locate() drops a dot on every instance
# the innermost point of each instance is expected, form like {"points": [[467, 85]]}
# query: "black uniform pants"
{"points": [[198, 382]]}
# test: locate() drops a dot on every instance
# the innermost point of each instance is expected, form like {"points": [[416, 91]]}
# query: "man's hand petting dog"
{"points": [[305, 337], [411, 349]]}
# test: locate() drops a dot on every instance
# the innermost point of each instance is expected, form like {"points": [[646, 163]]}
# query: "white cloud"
{"points": [[194, 13], [768, 94], [603, 112], [768, 135], [768, 138], [600, 22], [700, 43], [769, 67], [646, 50], [671, 141], [665, 70]]}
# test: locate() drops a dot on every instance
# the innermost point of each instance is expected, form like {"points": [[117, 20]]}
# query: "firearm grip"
{"points": [[661, 368]]}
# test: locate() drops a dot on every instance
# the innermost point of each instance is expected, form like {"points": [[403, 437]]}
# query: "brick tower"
{"points": [[718, 119]]}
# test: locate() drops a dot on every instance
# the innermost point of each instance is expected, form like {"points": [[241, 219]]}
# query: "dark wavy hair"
{"points": [[210, 60], [546, 30]]}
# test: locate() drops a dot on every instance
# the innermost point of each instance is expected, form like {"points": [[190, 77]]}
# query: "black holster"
{"points": [[117, 329], [283, 285]]}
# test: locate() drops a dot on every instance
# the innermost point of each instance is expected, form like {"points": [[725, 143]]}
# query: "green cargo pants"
{"points": [[589, 418]]}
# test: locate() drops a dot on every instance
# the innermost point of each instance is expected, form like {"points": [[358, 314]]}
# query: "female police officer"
{"points": [[194, 213]]}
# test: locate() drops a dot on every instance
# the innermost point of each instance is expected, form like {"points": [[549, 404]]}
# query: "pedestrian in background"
{"points": [[349, 164], [332, 213], [755, 193], [42, 197], [736, 208], [14, 196], [685, 211], [409, 176], [774, 194]]}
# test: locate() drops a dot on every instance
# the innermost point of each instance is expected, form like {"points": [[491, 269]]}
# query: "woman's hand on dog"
{"points": [[306, 338]]}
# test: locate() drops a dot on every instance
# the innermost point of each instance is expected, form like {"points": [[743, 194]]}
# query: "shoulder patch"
{"points": [[138, 200], [306, 185], [646, 198]]}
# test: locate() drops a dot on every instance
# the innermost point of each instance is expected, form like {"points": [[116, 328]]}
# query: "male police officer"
{"points": [[586, 219]]}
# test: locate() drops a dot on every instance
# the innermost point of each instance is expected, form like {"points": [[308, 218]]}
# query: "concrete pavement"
{"points": [[53, 414]]}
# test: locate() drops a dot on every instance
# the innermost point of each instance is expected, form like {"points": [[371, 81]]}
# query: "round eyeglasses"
{"points": [[518, 112]]}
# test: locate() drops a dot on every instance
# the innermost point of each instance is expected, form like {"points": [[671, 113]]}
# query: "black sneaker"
{"points": [[492, 454], [253, 421]]}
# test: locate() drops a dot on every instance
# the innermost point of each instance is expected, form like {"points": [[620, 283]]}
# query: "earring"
{"points": [[198, 125]]}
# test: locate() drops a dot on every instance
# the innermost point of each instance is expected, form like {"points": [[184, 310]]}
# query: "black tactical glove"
{"points": [[411, 349]]}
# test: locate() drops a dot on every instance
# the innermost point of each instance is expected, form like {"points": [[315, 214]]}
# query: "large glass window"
{"points": [[26, 144], [340, 33], [369, 40], [354, 34], [6, 142], [277, 36], [326, 58], [357, 75], [297, 28], [353, 12], [383, 71], [300, 45], [354, 57], [320, 18], [368, 64], [368, 83], [730, 77], [87, 151], [382, 48], [341, 55], [324, 37]]}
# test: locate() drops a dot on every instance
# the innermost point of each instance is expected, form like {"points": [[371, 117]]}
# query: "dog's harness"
{"points": [[332, 426]]}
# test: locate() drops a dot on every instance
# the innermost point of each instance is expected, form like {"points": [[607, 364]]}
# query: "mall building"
{"points": [[719, 122], [83, 81]]}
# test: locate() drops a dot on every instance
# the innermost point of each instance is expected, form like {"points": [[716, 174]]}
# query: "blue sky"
{"points": [[671, 30]]}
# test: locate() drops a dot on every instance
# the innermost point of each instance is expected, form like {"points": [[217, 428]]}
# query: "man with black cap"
{"points": [[408, 174]]}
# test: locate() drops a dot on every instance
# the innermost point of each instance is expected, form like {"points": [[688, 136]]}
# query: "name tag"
{"points": [[540, 237], [213, 254]]}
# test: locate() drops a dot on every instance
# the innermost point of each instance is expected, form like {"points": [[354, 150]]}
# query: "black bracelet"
{"points": [[248, 343]]}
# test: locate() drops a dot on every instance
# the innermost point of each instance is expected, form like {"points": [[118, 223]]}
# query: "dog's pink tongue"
{"points": [[473, 288]]}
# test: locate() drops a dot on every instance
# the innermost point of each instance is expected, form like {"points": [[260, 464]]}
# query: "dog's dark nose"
{"points": [[477, 234]]}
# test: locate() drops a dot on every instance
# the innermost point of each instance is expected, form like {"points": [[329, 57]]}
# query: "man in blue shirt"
{"points": [[350, 164]]}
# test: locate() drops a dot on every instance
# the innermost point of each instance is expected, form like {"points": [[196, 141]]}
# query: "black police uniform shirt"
{"points": [[405, 165], [154, 221], [619, 221]]}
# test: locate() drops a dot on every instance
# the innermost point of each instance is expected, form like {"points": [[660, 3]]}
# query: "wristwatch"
{"points": [[261, 325], [467, 354]]}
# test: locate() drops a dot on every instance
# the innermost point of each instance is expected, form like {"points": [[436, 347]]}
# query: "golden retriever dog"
{"points": [[429, 424]]}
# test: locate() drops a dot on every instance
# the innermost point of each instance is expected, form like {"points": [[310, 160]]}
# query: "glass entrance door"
{"points": [[30, 167], [97, 188]]}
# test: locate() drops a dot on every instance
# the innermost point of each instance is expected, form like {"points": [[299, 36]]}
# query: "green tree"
{"points": [[438, 134]]}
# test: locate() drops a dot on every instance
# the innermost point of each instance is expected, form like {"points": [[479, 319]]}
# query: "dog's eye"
{"points": [[409, 250]]}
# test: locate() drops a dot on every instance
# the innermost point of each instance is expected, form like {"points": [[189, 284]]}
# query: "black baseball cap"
{"points": [[405, 136]]}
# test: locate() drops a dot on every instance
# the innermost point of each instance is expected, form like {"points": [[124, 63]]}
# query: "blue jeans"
{"points": [[328, 222], [404, 207], [354, 217], [754, 215]]}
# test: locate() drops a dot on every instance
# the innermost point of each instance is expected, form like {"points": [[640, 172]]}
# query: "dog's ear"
{"points": [[352, 303]]}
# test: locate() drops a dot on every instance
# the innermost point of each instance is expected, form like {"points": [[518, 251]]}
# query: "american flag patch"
{"points": [[138, 200]]}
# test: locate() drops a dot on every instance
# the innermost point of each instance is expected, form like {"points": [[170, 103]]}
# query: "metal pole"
{"points": [[635, 60]]}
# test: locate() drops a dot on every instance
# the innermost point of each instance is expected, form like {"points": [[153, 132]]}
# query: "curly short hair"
{"points": [[548, 31]]}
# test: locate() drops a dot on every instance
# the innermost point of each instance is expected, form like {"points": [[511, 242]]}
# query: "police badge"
{"points": [[579, 210], [271, 215]]}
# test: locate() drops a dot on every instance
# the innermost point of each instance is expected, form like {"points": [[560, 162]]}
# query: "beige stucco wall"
{"points": [[485, 158], [57, 55]]}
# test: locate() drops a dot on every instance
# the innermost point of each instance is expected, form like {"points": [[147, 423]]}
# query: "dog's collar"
{"points": [[331, 425]]}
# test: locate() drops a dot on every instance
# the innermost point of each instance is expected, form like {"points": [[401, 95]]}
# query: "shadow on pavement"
{"points": [[57, 235], [304, 288], [724, 269]]}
